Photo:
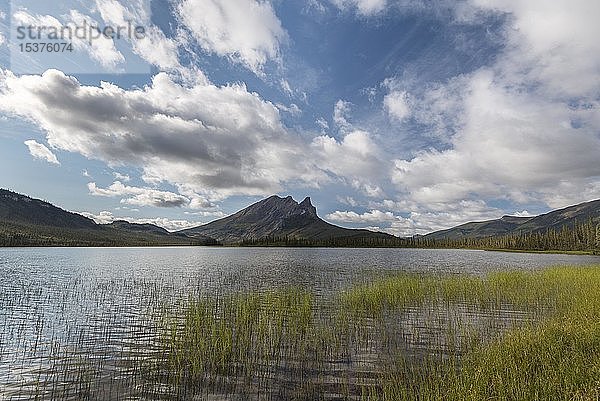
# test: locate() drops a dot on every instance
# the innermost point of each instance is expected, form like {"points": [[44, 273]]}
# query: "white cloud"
{"points": [[103, 217], [292, 109], [314, 5], [523, 213], [525, 128], [341, 110], [285, 85], [356, 159], [552, 44], [322, 123], [140, 196], [209, 142], [416, 218], [154, 47], [41, 152], [102, 49], [212, 215], [347, 200], [121, 177], [363, 7], [373, 216], [216, 141], [511, 144], [246, 31], [106, 217], [397, 105]]}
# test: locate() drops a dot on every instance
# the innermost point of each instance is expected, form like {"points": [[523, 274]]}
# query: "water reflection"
{"points": [[81, 323]]}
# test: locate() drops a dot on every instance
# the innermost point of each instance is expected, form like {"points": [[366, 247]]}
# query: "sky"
{"points": [[402, 116]]}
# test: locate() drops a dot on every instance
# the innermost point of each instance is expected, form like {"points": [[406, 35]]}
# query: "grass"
{"points": [[260, 340], [506, 336], [550, 251]]}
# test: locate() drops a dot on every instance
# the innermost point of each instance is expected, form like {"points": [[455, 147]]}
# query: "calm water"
{"points": [[79, 323]]}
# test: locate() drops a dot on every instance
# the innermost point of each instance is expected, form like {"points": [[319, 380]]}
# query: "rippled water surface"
{"points": [[81, 323]]}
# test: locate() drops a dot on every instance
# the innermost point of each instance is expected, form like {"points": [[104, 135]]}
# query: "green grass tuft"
{"points": [[505, 336]]}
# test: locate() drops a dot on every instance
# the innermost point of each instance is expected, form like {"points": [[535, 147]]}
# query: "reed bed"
{"points": [[505, 336]]}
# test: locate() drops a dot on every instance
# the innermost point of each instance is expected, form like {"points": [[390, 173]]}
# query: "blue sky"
{"points": [[404, 116]]}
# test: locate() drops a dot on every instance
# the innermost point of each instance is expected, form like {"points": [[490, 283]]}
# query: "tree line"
{"points": [[580, 236]]}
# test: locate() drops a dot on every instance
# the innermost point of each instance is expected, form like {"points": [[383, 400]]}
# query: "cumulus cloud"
{"points": [[341, 111], [553, 46], [205, 140], [140, 196], [246, 31], [106, 217], [523, 213], [217, 141], [373, 216], [406, 218], [154, 47], [41, 152], [357, 159], [511, 144], [396, 104], [526, 128]]}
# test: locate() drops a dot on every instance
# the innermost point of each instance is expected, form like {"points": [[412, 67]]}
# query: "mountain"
{"points": [[140, 228], [278, 217], [17, 208], [555, 220], [25, 221], [481, 229]]}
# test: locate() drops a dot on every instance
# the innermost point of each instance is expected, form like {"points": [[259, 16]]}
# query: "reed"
{"points": [[532, 335], [506, 336]]}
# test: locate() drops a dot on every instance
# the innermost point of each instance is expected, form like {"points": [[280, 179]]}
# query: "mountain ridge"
{"points": [[26, 221], [278, 217], [506, 225]]}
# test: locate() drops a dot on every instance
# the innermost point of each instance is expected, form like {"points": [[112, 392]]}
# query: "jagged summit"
{"points": [[277, 208], [307, 205], [279, 217]]}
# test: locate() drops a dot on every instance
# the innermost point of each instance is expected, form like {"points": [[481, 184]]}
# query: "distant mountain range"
{"points": [[506, 225], [277, 217], [25, 221]]}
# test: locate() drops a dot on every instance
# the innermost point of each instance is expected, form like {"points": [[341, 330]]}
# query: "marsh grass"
{"points": [[505, 336], [252, 343]]}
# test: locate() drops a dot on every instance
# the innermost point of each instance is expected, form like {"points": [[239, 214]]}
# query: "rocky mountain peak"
{"points": [[307, 206], [276, 217]]}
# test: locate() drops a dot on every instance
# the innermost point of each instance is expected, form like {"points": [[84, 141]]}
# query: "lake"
{"points": [[80, 323]]}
